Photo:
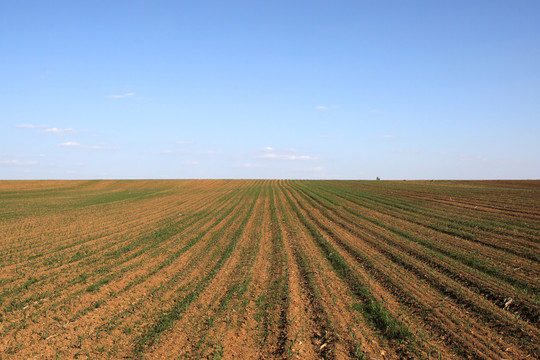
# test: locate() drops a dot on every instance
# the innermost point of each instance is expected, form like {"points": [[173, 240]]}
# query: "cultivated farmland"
{"points": [[269, 269]]}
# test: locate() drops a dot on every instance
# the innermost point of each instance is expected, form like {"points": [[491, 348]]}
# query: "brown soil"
{"points": [[261, 269]]}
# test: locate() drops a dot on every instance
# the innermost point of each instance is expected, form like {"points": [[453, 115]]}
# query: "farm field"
{"points": [[271, 269]]}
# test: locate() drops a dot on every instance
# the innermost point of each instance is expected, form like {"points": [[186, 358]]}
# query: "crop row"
{"points": [[269, 269]]}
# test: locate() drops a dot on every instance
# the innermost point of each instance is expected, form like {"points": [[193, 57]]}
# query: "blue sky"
{"points": [[270, 89]]}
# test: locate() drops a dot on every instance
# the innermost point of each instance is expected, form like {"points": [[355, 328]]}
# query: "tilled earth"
{"points": [[269, 269]]}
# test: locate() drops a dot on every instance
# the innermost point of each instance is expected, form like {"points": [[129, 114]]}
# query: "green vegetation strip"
{"points": [[194, 219], [168, 318], [448, 222], [379, 316], [155, 238], [486, 313], [319, 316], [237, 289], [276, 299], [468, 260]]}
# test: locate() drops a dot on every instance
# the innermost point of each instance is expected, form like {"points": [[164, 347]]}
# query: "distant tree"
{"points": [[378, 178]]}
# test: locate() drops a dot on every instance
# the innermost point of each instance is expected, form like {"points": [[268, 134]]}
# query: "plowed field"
{"points": [[275, 269]]}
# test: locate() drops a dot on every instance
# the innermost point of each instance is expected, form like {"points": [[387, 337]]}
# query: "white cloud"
{"points": [[91, 147], [269, 156], [57, 131], [286, 157], [121, 96], [47, 129], [299, 157], [70, 144], [15, 162], [323, 107], [103, 147], [268, 148]]}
